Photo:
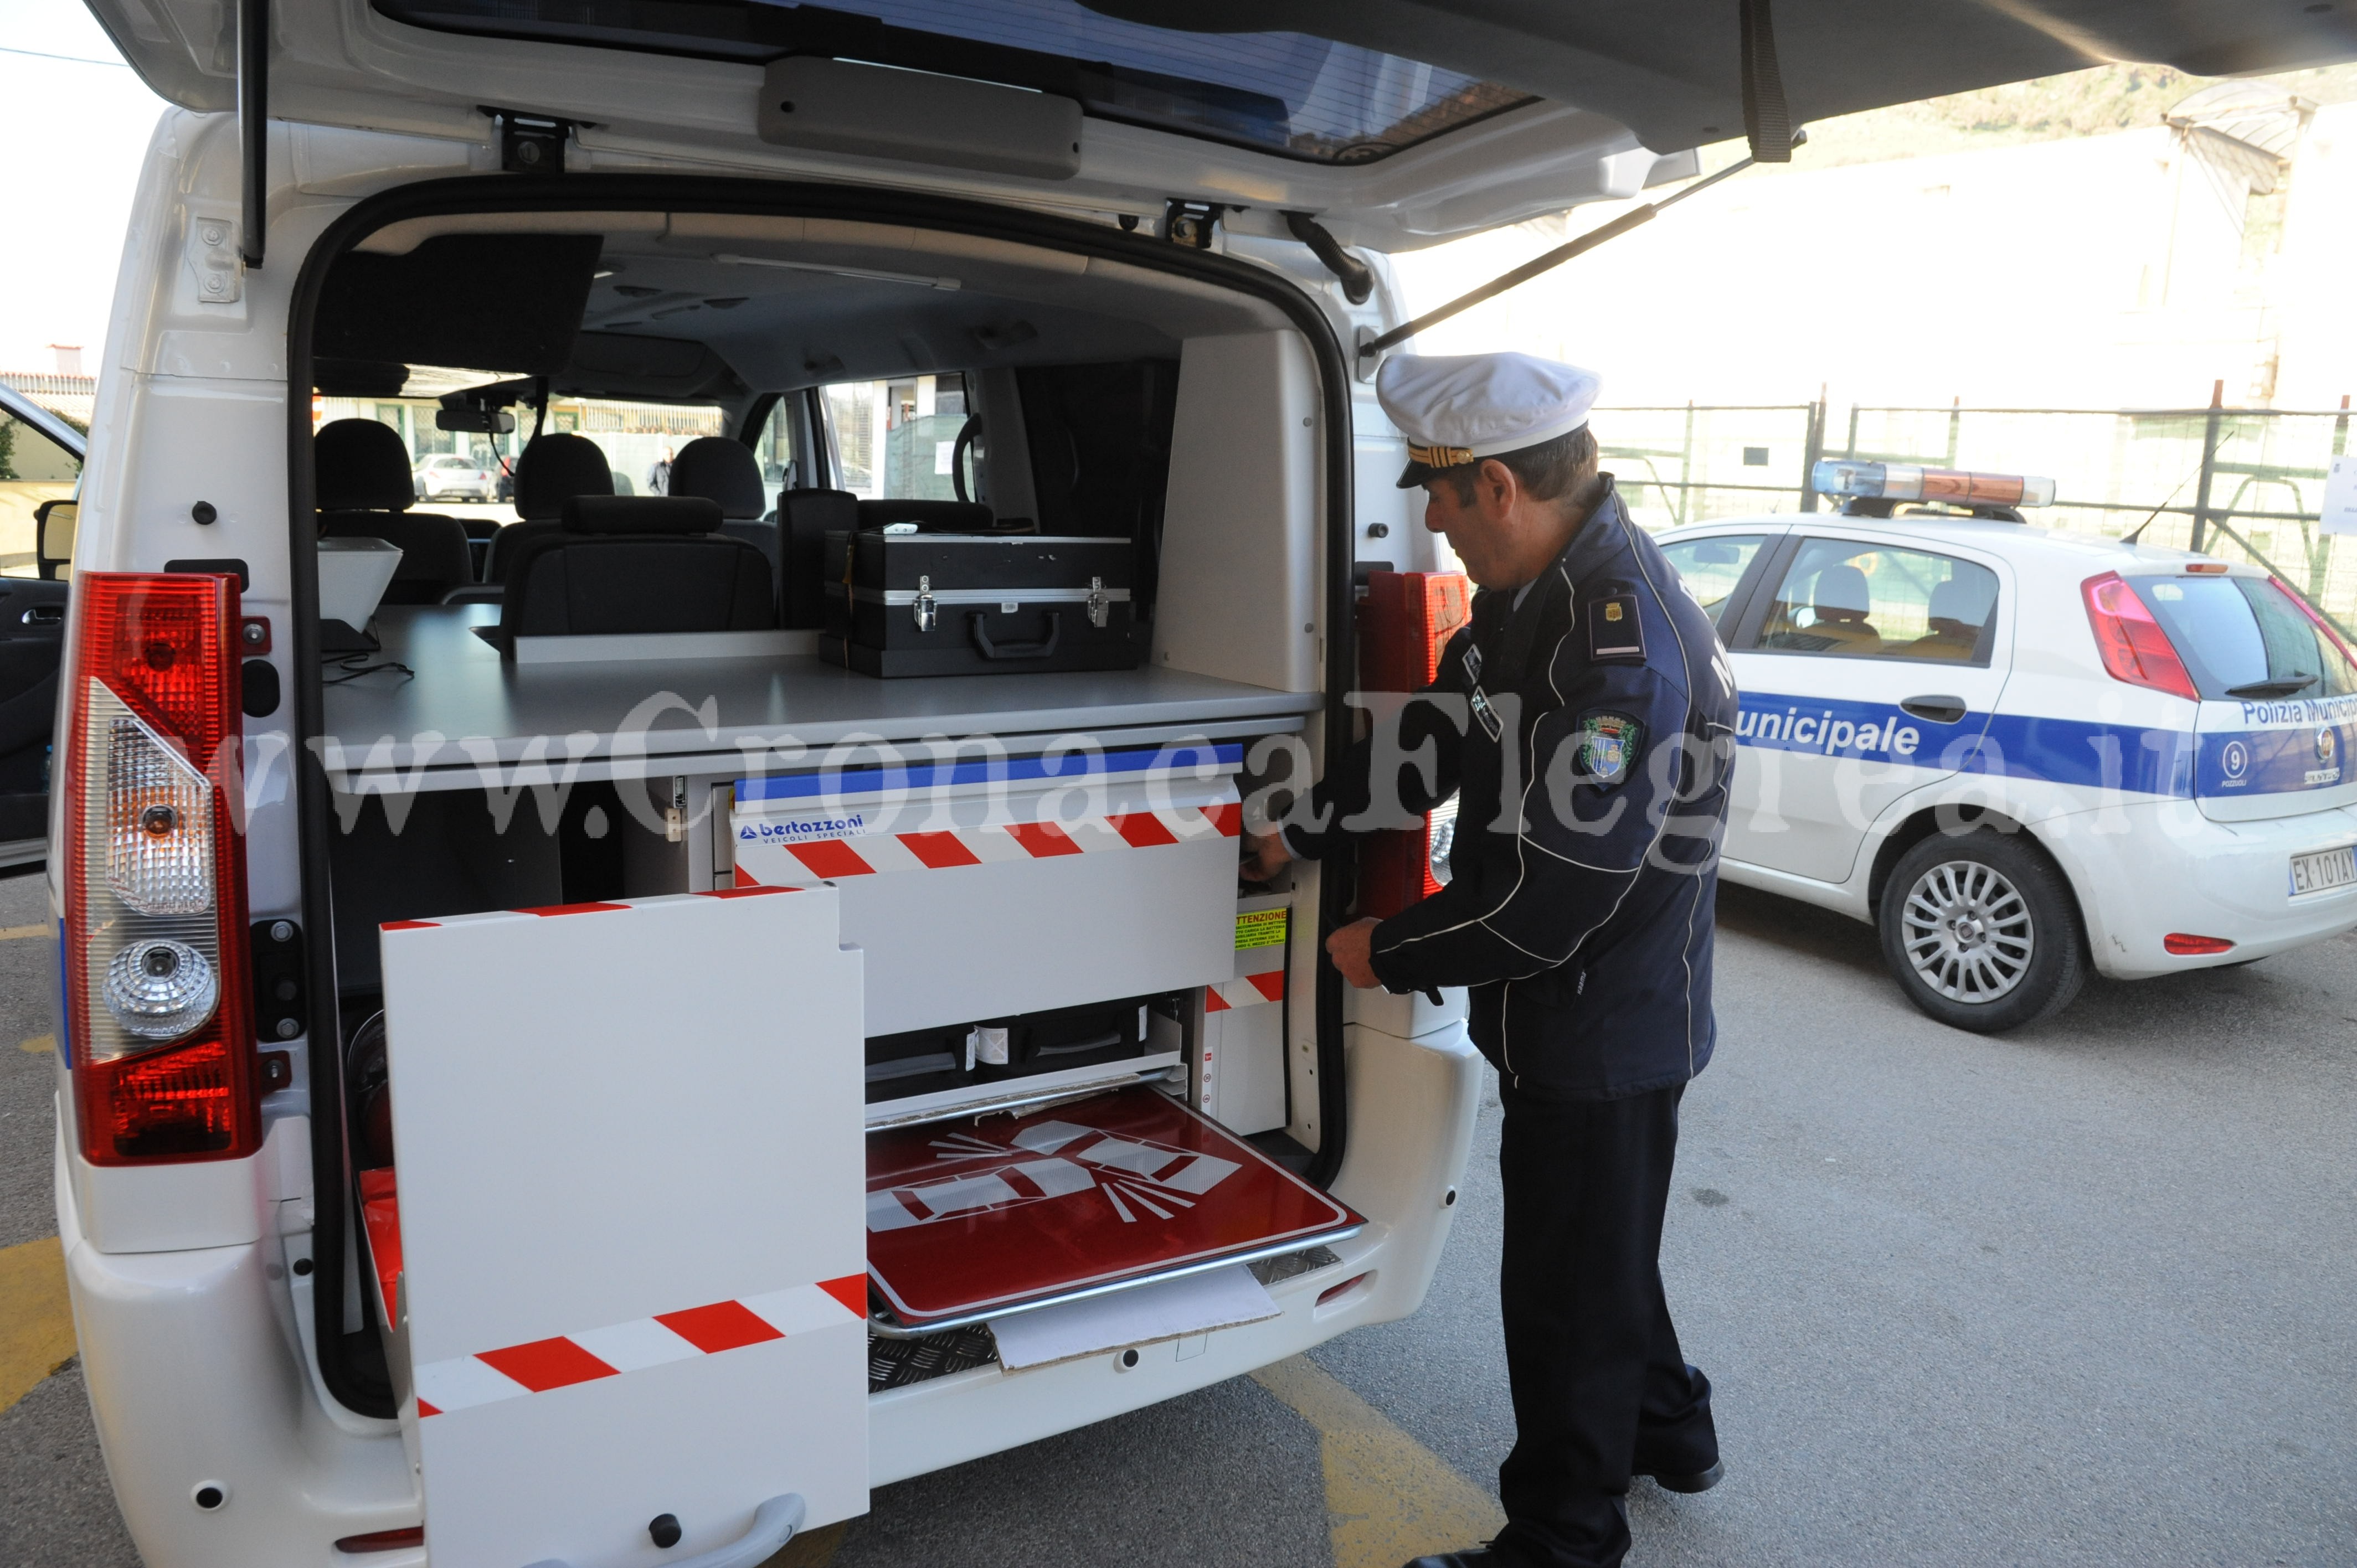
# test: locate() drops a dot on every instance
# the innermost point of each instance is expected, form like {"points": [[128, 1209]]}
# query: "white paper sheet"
{"points": [[1174, 1309]]}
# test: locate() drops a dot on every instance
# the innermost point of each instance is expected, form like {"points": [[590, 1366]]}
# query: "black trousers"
{"points": [[1600, 1388]]}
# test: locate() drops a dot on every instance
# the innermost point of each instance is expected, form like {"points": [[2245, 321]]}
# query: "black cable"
{"points": [[353, 671]]}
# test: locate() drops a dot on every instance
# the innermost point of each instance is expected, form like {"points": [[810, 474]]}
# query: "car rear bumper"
{"points": [[2146, 871]]}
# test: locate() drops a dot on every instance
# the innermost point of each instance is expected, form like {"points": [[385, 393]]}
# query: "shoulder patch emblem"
{"points": [[1613, 629], [1609, 744]]}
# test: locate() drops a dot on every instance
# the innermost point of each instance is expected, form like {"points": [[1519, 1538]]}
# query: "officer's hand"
{"points": [[1267, 857], [1348, 948]]}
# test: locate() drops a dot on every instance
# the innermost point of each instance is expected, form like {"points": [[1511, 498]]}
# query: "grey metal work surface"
{"points": [[481, 708]]}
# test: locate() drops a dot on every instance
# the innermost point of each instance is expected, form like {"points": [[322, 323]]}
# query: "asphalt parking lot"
{"points": [[2081, 1294]]}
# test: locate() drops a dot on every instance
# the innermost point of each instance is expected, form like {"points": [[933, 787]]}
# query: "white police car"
{"points": [[2019, 752]]}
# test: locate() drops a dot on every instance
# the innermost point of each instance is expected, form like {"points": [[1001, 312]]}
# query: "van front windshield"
{"points": [[472, 475]]}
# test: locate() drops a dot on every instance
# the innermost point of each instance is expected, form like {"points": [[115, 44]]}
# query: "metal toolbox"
{"points": [[974, 604]]}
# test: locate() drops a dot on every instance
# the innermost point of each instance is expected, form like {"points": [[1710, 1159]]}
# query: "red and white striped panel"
{"points": [[515, 1370], [549, 911], [805, 864], [1249, 991]]}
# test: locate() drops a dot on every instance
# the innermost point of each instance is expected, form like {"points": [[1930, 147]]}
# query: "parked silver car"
{"points": [[446, 476]]}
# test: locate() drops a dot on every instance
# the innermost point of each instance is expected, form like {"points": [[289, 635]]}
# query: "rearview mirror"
{"points": [[483, 421], [53, 527], [1716, 555]]}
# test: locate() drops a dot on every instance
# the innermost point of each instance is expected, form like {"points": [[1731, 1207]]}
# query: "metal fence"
{"points": [[1685, 465], [2239, 483]]}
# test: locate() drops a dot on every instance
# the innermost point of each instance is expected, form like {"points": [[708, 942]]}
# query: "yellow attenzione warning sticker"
{"points": [[1261, 928]]}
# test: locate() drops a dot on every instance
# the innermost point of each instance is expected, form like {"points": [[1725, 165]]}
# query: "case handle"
{"points": [[990, 649], [774, 1524]]}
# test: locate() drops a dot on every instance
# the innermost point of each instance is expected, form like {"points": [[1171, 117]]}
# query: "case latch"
{"points": [[924, 604], [1098, 607]]}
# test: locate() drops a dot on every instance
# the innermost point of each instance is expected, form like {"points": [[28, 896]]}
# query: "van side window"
{"points": [[1712, 568], [1854, 600], [896, 440]]}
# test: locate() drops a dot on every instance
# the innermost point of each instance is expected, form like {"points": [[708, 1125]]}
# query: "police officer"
{"points": [[1585, 720]]}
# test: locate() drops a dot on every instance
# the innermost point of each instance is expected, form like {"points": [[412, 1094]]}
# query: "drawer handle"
{"points": [[990, 649], [1094, 1043]]}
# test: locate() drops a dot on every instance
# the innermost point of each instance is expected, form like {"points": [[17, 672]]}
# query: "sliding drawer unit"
{"points": [[625, 1230], [981, 889]]}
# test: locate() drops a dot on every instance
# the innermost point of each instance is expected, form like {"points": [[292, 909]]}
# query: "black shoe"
{"points": [[1471, 1557], [1700, 1481]]}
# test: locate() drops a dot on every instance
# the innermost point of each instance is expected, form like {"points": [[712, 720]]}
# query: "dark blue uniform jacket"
{"points": [[1589, 735]]}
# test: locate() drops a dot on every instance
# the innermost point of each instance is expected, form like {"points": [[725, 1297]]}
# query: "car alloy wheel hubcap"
{"points": [[1967, 931]]}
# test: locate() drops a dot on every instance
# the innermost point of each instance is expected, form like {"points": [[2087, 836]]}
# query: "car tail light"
{"points": [[157, 987], [2186, 946], [2134, 647], [1408, 620]]}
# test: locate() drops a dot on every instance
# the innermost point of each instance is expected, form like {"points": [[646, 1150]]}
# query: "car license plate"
{"points": [[2326, 868]]}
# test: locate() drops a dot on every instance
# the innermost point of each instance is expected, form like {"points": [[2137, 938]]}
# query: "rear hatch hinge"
{"points": [[529, 144]]}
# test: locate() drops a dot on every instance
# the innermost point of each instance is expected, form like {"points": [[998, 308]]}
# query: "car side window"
{"points": [[1856, 600], [1713, 568]]}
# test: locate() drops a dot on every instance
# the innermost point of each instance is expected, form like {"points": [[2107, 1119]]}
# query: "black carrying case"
{"points": [[980, 603], [960, 1056]]}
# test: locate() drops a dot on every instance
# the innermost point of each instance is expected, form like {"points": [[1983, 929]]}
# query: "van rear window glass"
{"points": [[1279, 92], [2244, 639]]}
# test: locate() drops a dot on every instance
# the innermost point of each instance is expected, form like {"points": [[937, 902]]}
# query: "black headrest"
{"points": [[557, 467], [934, 517], [720, 470], [641, 514], [362, 465], [807, 511]]}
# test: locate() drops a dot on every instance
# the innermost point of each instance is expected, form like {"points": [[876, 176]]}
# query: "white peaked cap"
{"points": [[1460, 408]]}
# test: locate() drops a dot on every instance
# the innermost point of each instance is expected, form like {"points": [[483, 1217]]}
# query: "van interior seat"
{"points": [[552, 470], [361, 470], [804, 520], [620, 564], [725, 472]]}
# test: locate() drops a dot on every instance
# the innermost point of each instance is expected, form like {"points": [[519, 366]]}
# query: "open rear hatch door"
{"points": [[621, 1249], [1398, 122]]}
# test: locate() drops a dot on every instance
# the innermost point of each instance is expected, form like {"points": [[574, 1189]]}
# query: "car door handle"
{"points": [[1938, 710]]}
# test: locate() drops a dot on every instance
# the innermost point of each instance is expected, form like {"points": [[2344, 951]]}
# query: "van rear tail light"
{"points": [[155, 886], [2186, 946], [2134, 647]]}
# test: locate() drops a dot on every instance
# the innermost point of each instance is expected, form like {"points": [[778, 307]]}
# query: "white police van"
{"points": [[2018, 753], [556, 1065]]}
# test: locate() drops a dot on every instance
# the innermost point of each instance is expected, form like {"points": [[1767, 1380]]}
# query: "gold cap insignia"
{"points": [[1440, 457]]}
